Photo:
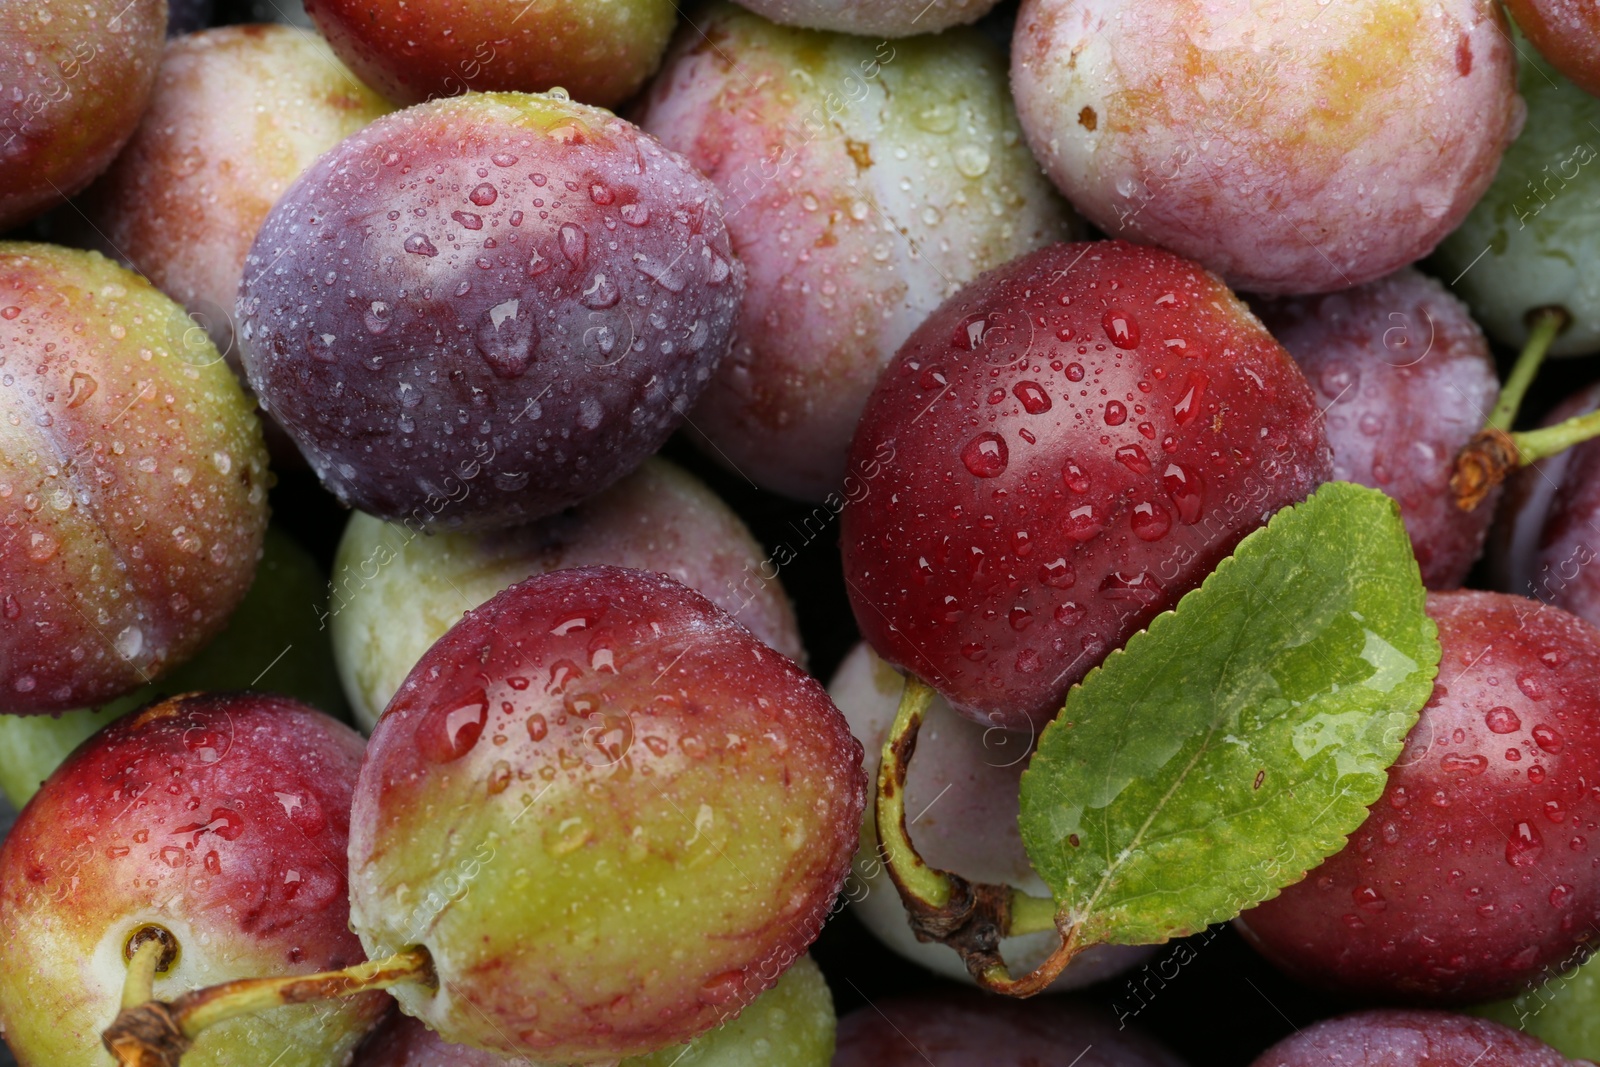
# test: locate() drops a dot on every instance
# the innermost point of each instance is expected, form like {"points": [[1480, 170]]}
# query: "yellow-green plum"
{"points": [[396, 591], [609, 814], [864, 183], [886, 18], [272, 642], [133, 483]]}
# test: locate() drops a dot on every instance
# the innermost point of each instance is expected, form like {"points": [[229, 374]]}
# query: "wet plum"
{"points": [[879, 18], [1393, 1038]]}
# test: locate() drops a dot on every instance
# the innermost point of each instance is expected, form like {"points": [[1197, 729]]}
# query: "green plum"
{"points": [[1534, 238], [1563, 1012], [272, 642]]}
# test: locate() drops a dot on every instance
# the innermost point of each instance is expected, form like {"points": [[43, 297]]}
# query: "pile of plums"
{"points": [[443, 445]]}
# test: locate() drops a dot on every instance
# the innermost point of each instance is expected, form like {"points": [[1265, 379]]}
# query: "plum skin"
{"points": [[887, 18], [790, 1025], [1409, 1038], [396, 592], [76, 79], [222, 818], [237, 113], [133, 483], [479, 311], [692, 801], [1075, 440], [1473, 876], [1352, 137], [825, 145], [600, 51], [1405, 378]]}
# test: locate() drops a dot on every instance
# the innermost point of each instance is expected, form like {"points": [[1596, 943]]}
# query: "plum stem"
{"points": [[1495, 451], [944, 907], [154, 1033], [140, 984]]}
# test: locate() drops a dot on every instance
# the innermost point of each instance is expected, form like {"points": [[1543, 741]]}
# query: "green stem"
{"points": [[944, 907], [1534, 445], [1546, 324], [140, 984]]}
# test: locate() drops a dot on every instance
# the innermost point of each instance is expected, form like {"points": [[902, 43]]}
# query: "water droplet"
{"points": [[1021, 618], [600, 294], [537, 727], [449, 730], [468, 219], [503, 159], [1070, 614], [1141, 588], [1546, 738], [635, 214], [130, 642], [42, 547], [1368, 899], [80, 387], [1059, 573], [1522, 850], [1531, 687], [1193, 398], [972, 160], [1561, 896], [484, 195], [1120, 329], [1074, 372], [574, 245], [1075, 477], [505, 341], [1150, 521], [376, 317], [11, 609], [1116, 413], [968, 335], [1465, 764], [1185, 490], [10, 313], [1034, 399], [1083, 524], [985, 455], [1502, 720], [601, 194], [1027, 661], [419, 245], [1133, 457], [499, 777]]}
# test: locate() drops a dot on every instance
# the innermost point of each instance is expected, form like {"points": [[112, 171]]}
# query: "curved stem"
{"points": [[1494, 452], [945, 907], [140, 984], [154, 1033]]}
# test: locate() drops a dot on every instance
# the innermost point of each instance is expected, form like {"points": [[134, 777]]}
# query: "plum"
{"points": [[601, 51], [790, 1025], [236, 115], [1534, 239], [395, 593], [1058, 454], [479, 311], [1566, 34], [1394, 1038], [1473, 876], [963, 785], [969, 1030], [1545, 538], [608, 814], [864, 184], [1405, 379], [879, 18], [271, 642], [1296, 147], [133, 483], [214, 823], [74, 78]]}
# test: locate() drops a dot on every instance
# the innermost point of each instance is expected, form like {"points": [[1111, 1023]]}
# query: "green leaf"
{"points": [[1236, 743]]}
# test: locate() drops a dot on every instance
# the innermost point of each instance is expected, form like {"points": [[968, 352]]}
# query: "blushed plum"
{"points": [[864, 184], [1565, 33], [133, 483], [74, 78], [237, 114], [1297, 147], [879, 18], [964, 782], [1533, 241], [1473, 876], [970, 1030], [601, 51], [272, 642], [220, 820], [1405, 378], [1062, 451], [479, 311], [790, 1025], [1393, 1038], [396, 592], [609, 814]]}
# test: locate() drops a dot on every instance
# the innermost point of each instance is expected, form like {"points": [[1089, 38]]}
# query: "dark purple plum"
{"points": [[480, 311], [1410, 1039], [1405, 378]]}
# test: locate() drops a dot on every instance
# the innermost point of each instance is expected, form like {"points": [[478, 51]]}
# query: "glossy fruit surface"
{"points": [[969, 1030], [1059, 453], [1474, 876], [237, 113], [611, 815], [1533, 240], [397, 591], [221, 819], [790, 1025], [852, 232], [1293, 148], [272, 643], [133, 483], [479, 311], [963, 792], [601, 51], [1566, 33], [1391, 1038], [887, 18], [75, 77], [1404, 378]]}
